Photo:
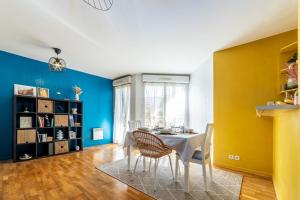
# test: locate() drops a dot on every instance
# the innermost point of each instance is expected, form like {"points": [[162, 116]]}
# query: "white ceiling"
{"points": [[135, 36]]}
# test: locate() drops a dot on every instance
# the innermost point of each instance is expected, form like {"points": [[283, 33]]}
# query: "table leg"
{"points": [[187, 176], [176, 168], [128, 157]]}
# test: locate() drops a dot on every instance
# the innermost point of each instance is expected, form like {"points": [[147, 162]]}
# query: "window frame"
{"points": [[186, 117]]}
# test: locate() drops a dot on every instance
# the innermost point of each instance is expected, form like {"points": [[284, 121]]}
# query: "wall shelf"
{"points": [[291, 47], [273, 110], [289, 90]]}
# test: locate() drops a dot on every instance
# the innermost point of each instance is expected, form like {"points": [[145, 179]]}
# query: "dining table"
{"points": [[184, 144]]}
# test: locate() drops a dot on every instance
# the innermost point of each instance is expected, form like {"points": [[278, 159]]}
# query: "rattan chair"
{"points": [[134, 124], [150, 146]]}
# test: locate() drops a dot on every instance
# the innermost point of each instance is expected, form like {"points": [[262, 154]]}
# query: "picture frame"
{"points": [[25, 122], [43, 92], [24, 90]]}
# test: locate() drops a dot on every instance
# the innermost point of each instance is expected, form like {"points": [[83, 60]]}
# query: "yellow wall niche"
{"points": [[286, 166]]}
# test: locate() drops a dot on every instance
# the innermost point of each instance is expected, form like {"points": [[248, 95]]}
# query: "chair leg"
{"points": [[210, 170], [176, 168], [179, 170], [155, 172], [150, 162], [137, 160], [204, 175], [144, 164], [171, 167]]}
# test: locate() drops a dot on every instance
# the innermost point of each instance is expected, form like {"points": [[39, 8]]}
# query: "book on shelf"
{"points": [[72, 122], [45, 122], [42, 137]]}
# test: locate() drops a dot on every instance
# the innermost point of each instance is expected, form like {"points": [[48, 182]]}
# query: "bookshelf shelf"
{"points": [[45, 142], [26, 143], [26, 113], [25, 128], [61, 140], [43, 112]]}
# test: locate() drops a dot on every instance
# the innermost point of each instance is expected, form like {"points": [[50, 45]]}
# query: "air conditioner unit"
{"points": [[154, 78], [122, 81]]}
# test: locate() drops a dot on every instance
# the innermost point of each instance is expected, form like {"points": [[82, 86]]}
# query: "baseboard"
{"points": [[265, 175]]}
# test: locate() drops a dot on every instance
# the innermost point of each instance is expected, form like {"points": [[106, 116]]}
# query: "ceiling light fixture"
{"points": [[57, 64], [103, 5]]}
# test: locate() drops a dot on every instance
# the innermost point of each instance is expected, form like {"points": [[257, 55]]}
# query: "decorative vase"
{"points": [[292, 83], [77, 97]]}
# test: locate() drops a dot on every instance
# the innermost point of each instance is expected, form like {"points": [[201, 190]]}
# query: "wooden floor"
{"points": [[74, 176]]}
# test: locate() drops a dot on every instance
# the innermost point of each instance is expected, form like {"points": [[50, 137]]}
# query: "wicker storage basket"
{"points": [[45, 106], [61, 120], [61, 147]]}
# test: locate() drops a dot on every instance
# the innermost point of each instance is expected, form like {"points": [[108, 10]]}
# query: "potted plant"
{"points": [[78, 91]]}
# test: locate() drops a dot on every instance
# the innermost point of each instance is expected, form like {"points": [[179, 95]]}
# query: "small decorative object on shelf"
{"points": [[78, 91], [74, 111], [25, 156], [26, 110], [60, 135], [296, 98], [72, 135], [292, 70], [47, 121], [24, 90], [25, 122], [43, 92]]}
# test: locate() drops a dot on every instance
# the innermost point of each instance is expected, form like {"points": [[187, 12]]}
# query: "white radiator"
{"points": [[97, 133]]}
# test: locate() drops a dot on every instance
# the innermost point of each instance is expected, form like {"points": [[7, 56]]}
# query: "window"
{"points": [[165, 104]]}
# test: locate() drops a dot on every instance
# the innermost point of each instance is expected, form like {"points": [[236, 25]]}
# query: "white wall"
{"points": [[201, 96]]}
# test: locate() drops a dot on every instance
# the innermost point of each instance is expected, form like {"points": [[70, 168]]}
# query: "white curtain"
{"points": [[121, 112], [165, 104], [154, 105], [176, 96]]}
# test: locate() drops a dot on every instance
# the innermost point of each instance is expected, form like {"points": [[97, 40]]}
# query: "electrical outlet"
{"points": [[231, 157], [236, 157]]}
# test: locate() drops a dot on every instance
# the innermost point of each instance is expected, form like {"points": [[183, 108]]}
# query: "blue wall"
{"points": [[97, 96]]}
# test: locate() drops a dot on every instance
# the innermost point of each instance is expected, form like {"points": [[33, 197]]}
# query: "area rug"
{"points": [[225, 185]]}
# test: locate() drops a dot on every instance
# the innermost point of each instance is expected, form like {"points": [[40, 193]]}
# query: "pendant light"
{"points": [[103, 5], [57, 64]]}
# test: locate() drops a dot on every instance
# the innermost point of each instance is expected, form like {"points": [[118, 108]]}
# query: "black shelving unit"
{"points": [[37, 109]]}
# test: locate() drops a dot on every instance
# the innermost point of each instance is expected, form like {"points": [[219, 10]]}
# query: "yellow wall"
{"points": [[286, 166], [286, 175], [246, 76]]}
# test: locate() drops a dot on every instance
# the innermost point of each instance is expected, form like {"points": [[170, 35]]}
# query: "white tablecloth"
{"points": [[184, 144]]}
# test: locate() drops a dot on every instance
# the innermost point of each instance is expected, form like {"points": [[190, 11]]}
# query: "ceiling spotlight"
{"points": [[57, 64]]}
